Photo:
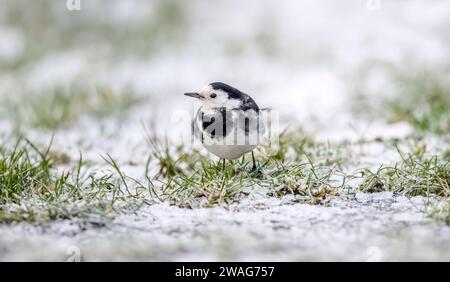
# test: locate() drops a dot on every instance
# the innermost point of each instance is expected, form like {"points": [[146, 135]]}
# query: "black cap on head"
{"points": [[232, 92], [247, 102]]}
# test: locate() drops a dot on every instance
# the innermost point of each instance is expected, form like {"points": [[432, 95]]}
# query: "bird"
{"points": [[228, 122]]}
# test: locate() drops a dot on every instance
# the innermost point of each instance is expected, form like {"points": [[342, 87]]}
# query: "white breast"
{"points": [[237, 142], [229, 152]]}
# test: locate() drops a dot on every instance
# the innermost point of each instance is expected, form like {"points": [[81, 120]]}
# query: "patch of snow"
{"points": [[12, 43], [342, 231]]}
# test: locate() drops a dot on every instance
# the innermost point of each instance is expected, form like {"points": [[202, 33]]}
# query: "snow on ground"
{"points": [[376, 227], [302, 59]]}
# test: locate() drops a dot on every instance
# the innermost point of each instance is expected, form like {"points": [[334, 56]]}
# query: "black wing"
{"points": [[249, 104]]}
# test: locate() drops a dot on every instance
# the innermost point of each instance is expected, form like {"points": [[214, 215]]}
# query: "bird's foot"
{"points": [[256, 171]]}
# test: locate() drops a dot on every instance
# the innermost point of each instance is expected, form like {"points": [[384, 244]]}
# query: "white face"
{"points": [[217, 99]]}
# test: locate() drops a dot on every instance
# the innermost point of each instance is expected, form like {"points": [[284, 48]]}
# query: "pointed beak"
{"points": [[194, 95]]}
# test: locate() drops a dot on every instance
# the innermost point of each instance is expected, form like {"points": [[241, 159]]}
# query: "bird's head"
{"points": [[218, 95]]}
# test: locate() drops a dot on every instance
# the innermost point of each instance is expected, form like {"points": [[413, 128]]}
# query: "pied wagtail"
{"points": [[228, 122]]}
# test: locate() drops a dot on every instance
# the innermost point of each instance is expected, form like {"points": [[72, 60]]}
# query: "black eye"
{"points": [[214, 95]]}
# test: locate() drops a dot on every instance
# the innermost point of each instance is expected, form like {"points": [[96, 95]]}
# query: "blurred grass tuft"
{"points": [[415, 95], [60, 107], [424, 101]]}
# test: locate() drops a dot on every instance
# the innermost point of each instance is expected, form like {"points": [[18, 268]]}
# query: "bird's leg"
{"points": [[254, 163], [223, 165]]}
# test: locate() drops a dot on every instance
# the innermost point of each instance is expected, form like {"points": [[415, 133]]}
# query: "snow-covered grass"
{"points": [[414, 175], [312, 172], [351, 173], [32, 190]]}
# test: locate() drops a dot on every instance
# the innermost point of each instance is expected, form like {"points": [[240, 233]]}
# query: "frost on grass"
{"points": [[32, 190], [188, 179], [307, 202], [308, 171], [299, 170], [414, 175]]}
